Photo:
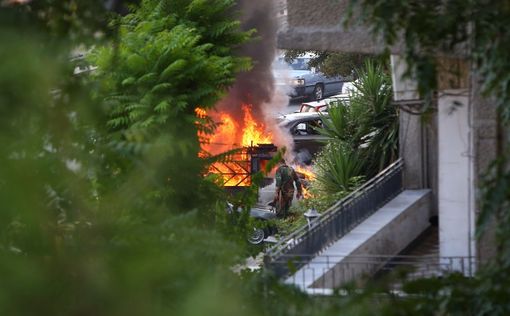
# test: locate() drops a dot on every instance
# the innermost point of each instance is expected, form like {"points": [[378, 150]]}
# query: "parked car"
{"points": [[314, 106], [322, 105], [303, 129], [304, 81]]}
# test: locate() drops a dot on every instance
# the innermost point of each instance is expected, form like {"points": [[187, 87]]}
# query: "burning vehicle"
{"points": [[248, 145], [303, 129], [250, 148], [254, 145]]}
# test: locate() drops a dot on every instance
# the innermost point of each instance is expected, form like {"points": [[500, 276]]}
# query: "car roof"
{"points": [[315, 103], [327, 101], [340, 96], [292, 117]]}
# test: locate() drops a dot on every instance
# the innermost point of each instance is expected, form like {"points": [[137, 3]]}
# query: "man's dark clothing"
{"points": [[285, 178]]}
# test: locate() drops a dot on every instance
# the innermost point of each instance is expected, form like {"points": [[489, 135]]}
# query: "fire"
{"points": [[308, 175], [224, 137], [253, 132], [231, 134], [200, 113], [306, 172], [234, 171]]}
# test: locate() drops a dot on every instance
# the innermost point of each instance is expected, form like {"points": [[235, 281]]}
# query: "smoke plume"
{"points": [[257, 86]]}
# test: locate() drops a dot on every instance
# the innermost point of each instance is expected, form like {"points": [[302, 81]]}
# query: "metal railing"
{"points": [[338, 220], [335, 271]]}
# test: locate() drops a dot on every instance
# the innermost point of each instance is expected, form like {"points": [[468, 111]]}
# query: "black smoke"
{"points": [[256, 86]]}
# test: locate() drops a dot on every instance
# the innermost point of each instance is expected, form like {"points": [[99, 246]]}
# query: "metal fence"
{"points": [[332, 272], [337, 221]]}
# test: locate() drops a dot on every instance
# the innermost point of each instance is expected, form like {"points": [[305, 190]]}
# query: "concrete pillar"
{"points": [[403, 88], [413, 147], [456, 178], [486, 143]]}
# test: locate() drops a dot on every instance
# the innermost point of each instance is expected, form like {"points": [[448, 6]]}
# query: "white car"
{"points": [[303, 129]]}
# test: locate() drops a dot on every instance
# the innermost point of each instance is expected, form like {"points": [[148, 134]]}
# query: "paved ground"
{"points": [[266, 195], [425, 245]]}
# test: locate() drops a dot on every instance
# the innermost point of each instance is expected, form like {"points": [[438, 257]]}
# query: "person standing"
{"points": [[285, 178]]}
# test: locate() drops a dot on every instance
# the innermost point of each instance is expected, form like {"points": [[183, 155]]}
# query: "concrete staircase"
{"points": [[384, 234]]}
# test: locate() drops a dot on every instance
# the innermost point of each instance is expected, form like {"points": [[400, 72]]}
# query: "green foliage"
{"points": [[79, 21], [165, 64], [338, 169], [343, 64], [374, 94], [345, 123], [319, 200], [367, 124], [104, 207], [179, 60], [363, 140]]}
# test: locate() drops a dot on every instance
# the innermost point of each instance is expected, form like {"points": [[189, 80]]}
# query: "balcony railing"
{"points": [[337, 221], [332, 272]]}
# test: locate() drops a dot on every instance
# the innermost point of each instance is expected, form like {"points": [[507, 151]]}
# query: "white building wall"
{"points": [[455, 178]]}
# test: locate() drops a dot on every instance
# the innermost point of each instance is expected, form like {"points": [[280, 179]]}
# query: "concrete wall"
{"points": [[411, 134], [487, 140], [403, 88], [418, 147], [387, 232], [456, 195], [281, 15], [417, 135], [318, 25]]}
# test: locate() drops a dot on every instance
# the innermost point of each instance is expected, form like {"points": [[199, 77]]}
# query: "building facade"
{"points": [[449, 150]]}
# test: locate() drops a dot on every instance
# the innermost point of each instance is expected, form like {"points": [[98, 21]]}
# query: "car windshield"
{"points": [[308, 108], [300, 64], [297, 63]]}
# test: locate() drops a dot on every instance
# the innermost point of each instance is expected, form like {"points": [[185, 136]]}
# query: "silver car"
{"points": [[303, 129]]}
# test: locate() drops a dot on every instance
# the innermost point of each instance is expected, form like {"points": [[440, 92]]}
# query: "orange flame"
{"points": [[231, 134], [200, 113], [308, 175], [224, 137], [306, 171], [253, 132]]}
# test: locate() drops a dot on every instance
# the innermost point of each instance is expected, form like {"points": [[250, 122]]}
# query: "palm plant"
{"points": [[338, 169], [346, 123], [362, 132], [374, 94]]}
